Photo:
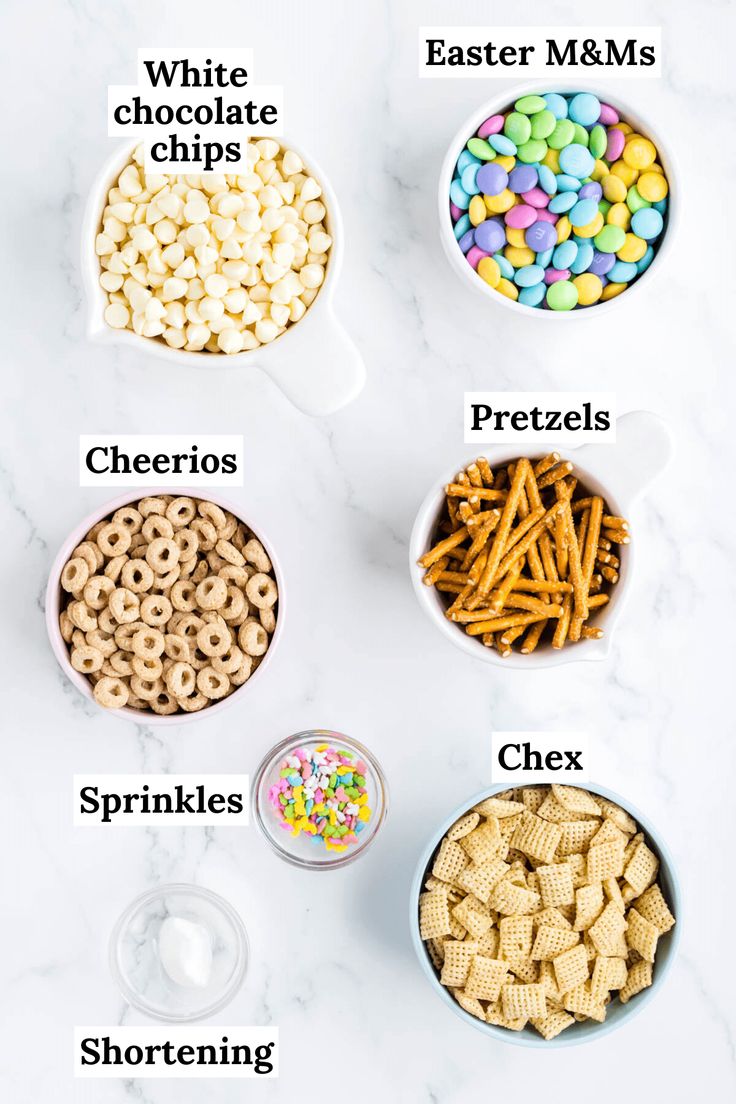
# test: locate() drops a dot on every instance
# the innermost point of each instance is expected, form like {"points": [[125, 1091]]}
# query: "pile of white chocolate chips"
{"points": [[214, 263]]}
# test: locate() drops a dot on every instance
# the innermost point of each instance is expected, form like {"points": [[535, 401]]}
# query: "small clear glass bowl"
{"points": [[137, 968], [305, 850]]}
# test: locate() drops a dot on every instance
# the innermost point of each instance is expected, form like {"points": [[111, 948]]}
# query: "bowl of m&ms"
{"points": [[319, 799], [555, 201]]}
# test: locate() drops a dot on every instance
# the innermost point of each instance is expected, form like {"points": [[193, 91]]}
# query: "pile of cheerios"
{"points": [[171, 604], [214, 263]]}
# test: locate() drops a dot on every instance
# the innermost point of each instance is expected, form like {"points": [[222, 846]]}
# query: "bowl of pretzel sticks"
{"points": [[526, 560]]}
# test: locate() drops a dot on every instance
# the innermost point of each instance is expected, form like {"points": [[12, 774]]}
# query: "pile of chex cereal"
{"points": [[541, 906]]}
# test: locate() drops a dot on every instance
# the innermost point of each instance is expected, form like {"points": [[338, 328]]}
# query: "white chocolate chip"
{"points": [[117, 316]]}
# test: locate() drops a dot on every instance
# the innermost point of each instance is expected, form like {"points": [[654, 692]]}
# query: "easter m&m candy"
{"points": [[557, 202]]}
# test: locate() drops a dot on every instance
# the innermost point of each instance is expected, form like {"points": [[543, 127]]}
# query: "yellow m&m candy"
{"points": [[590, 288], [633, 248], [652, 186]]}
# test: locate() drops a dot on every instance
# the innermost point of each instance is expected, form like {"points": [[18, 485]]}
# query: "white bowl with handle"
{"points": [[501, 103], [620, 472], [314, 362]]}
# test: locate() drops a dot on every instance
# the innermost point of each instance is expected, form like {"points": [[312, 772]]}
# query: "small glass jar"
{"points": [[136, 963], [311, 851]]}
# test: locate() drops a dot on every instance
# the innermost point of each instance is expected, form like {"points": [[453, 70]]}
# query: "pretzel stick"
{"points": [[588, 563], [597, 600], [435, 571], [509, 621], [499, 600], [579, 590], [485, 471], [591, 632], [444, 546], [545, 544], [610, 522], [527, 602], [617, 536], [532, 637], [523, 546], [477, 544], [563, 624], [459, 490], [523, 527], [541, 586], [513, 634], [504, 526], [554, 474], [546, 463]]}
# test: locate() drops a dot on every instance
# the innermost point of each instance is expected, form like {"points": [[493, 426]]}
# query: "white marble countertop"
{"points": [[331, 955]]}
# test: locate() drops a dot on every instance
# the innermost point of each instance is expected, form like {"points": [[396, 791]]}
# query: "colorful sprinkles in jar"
{"points": [[558, 203], [322, 791]]}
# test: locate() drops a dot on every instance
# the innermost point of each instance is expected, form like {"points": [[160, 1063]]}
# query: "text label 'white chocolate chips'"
{"points": [[214, 263]]}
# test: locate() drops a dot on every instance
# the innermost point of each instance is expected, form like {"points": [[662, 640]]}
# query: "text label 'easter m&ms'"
{"points": [[175, 1051], [530, 757], [557, 417], [539, 51], [194, 110], [161, 800], [185, 460]]}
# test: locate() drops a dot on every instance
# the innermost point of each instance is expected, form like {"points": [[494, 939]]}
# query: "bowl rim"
{"points": [[277, 751], [53, 604], [425, 521], [97, 329], [177, 889], [492, 106], [566, 1039]]}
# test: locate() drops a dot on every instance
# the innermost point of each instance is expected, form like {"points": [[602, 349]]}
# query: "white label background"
{"points": [[537, 62], [154, 444], [543, 742], [524, 401], [162, 783], [179, 1036]]}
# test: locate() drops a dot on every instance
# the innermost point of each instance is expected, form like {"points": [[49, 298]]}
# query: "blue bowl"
{"points": [[618, 1013]]}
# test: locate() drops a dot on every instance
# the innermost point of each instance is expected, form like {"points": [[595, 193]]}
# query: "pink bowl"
{"points": [[53, 605]]}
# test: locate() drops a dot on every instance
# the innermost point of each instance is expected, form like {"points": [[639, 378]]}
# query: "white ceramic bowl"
{"points": [[500, 103], [53, 605], [313, 362], [618, 1013], [620, 472]]}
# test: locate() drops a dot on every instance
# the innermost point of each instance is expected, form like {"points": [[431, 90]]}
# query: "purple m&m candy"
{"points": [[601, 263], [491, 179], [490, 236], [467, 240], [540, 236], [522, 178], [592, 190]]}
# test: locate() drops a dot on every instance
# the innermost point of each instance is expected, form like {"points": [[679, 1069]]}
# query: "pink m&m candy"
{"points": [[616, 143], [474, 255], [520, 217], [490, 126], [608, 115], [535, 198]]}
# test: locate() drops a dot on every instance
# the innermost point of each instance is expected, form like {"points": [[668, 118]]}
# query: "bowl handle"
{"points": [[321, 372], [643, 449]]}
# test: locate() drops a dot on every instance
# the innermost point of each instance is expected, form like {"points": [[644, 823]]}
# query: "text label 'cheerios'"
{"points": [[185, 460], [166, 800], [539, 51], [557, 417], [194, 109], [523, 758]]}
